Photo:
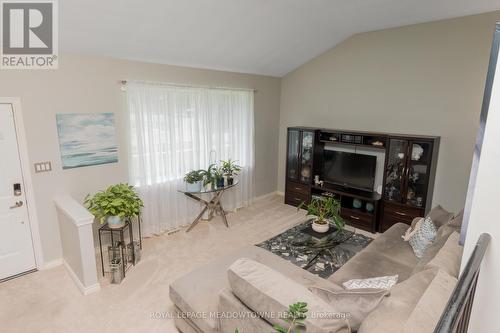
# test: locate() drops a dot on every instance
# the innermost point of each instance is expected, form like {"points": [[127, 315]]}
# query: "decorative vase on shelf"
{"points": [[230, 180], [356, 203], [220, 182], [320, 227], [115, 222]]}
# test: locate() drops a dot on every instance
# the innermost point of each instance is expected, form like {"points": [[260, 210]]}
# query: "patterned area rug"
{"points": [[322, 257]]}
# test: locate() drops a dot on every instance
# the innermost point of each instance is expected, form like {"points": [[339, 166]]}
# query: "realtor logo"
{"points": [[29, 34]]}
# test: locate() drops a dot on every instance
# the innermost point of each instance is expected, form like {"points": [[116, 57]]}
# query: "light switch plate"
{"points": [[43, 166]]}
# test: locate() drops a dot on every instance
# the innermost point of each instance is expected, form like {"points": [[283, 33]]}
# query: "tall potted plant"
{"points": [[194, 179], [114, 204], [325, 211], [230, 169]]}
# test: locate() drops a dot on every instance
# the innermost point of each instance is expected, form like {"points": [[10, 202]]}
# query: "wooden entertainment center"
{"points": [[409, 170]]}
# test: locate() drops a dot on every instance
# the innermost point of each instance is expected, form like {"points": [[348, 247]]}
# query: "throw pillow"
{"points": [[439, 216], [382, 282], [356, 304], [423, 237]]}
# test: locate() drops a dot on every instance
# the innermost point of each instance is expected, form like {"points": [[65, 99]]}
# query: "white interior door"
{"points": [[16, 246]]}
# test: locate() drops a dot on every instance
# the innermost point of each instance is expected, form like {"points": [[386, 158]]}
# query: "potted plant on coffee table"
{"points": [[230, 169], [114, 204], [325, 211], [194, 179]]}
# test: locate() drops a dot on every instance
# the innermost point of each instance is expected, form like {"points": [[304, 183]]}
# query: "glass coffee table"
{"points": [[213, 206], [320, 255], [317, 245]]}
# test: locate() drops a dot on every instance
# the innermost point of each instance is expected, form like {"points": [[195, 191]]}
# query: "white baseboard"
{"points": [[281, 194], [84, 290], [266, 196], [51, 264]]}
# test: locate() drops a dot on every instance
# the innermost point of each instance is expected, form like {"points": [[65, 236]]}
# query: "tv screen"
{"points": [[349, 169]]}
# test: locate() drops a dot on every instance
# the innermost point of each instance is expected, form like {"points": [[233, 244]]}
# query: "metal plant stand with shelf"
{"points": [[105, 229]]}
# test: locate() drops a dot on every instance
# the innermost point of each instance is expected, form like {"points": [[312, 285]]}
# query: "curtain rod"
{"points": [[181, 85]]}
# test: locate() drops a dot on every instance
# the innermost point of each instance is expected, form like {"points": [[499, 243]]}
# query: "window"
{"points": [[175, 129]]}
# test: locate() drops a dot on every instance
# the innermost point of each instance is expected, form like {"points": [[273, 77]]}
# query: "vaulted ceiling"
{"points": [[270, 37]]}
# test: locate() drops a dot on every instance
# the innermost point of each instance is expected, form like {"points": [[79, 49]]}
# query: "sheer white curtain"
{"points": [[175, 129]]}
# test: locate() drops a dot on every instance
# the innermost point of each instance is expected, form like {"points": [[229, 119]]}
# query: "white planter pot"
{"points": [[194, 187], [321, 228], [115, 222]]}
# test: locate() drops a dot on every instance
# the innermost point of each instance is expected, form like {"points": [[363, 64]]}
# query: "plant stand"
{"points": [[119, 234]]}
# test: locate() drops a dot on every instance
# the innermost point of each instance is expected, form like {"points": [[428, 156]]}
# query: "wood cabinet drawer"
{"points": [[388, 221], [403, 213], [295, 199], [298, 188], [358, 219], [394, 213]]}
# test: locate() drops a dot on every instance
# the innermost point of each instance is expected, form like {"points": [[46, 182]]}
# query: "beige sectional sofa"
{"points": [[206, 301]]}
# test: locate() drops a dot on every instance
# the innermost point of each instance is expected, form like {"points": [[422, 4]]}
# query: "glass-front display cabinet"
{"points": [[300, 152], [407, 171], [299, 165], [408, 181]]}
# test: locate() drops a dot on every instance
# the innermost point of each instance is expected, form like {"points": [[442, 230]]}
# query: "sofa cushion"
{"points": [[235, 315], [388, 254], [198, 291], [392, 245], [357, 303], [393, 312], [439, 216], [265, 290], [429, 308], [449, 256]]}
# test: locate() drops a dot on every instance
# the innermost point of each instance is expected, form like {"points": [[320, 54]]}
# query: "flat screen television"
{"points": [[349, 169]]}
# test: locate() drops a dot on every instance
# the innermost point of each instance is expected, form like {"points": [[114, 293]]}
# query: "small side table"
{"points": [[121, 236], [213, 205]]}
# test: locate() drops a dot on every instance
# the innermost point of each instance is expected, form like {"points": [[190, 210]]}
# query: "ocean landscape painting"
{"points": [[86, 139]]}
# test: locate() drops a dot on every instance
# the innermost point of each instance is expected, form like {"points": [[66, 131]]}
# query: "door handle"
{"points": [[17, 205]]}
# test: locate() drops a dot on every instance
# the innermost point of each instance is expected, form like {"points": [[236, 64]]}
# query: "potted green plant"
{"points": [[325, 210], [218, 177], [230, 169], [194, 179], [209, 176], [114, 204]]}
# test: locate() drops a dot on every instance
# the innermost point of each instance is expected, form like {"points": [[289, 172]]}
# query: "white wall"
{"points": [[420, 79], [484, 218], [85, 84]]}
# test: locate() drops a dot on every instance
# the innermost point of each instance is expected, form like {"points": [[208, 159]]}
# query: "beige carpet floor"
{"points": [[48, 301]]}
